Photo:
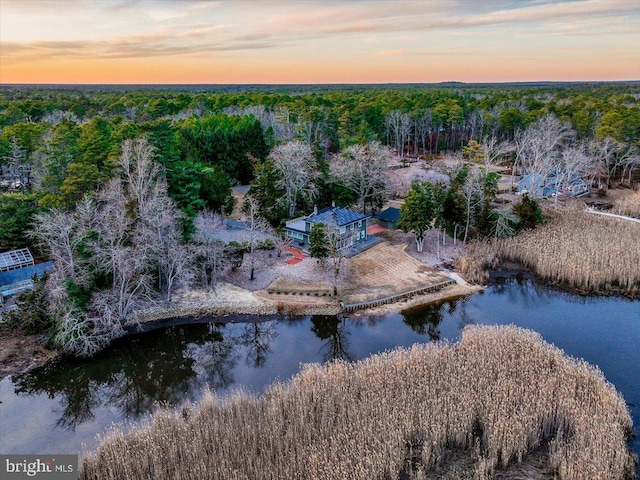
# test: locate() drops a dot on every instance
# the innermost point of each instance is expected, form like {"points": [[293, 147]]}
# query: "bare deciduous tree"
{"points": [[538, 146], [157, 228], [175, 262], [139, 172], [574, 161], [363, 170], [472, 193], [298, 170], [398, 130], [422, 130], [55, 117], [82, 335], [313, 127], [131, 284], [210, 251], [505, 223], [494, 150], [606, 152], [277, 119], [130, 230], [64, 235], [339, 245], [254, 225], [281, 239], [629, 160], [477, 121]]}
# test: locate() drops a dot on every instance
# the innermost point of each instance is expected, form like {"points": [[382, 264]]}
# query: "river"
{"points": [[63, 406]]}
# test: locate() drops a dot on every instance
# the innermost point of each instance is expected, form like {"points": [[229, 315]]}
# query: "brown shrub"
{"points": [[466, 410]]}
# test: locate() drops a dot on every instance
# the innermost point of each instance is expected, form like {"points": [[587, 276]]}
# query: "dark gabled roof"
{"points": [[391, 214], [338, 215]]}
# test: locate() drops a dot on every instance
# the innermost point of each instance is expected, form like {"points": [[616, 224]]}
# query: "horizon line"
{"points": [[513, 82]]}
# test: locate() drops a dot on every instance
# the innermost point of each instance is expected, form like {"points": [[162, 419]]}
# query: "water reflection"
{"points": [[526, 289], [333, 332], [137, 373], [74, 400], [258, 337], [425, 320], [214, 358]]}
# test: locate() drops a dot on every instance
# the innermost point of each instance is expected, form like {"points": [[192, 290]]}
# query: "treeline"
{"points": [[353, 112], [56, 144]]}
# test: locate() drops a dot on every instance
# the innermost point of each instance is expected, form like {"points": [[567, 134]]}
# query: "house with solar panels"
{"points": [[553, 183], [352, 226]]}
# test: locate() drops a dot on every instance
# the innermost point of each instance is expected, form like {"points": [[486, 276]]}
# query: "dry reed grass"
{"points": [[629, 205], [474, 409], [587, 252]]}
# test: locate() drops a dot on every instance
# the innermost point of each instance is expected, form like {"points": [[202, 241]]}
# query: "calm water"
{"points": [[61, 408]]}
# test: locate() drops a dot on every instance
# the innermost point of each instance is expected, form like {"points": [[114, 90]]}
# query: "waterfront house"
{"points": [[552, 184], [352, 226]]}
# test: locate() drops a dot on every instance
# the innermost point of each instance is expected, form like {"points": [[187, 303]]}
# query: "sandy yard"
{"points": [[384, 270], [223, 293], [437, 256], [269, 267], [391, 267]]}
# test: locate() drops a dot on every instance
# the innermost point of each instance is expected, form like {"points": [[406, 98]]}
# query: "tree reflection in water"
{"points": [[258, 337], [174, 364], [424, 320], [177, 363], [530, 291], [215, 358], [137, 373], [334, 332]]}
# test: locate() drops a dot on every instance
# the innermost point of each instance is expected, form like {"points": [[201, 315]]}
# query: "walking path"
{"points": [[375, 229], [297, 256], [622, 217]]}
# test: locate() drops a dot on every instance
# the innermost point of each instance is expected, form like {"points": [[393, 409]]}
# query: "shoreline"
{"points": [[24, 353], [268, 308]]}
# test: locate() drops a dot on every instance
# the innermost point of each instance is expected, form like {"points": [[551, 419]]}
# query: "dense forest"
{"points": [[58, 143], [109, 169]]}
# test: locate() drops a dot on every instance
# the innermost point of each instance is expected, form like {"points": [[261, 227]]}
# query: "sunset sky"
{"points": [[339, 41]]}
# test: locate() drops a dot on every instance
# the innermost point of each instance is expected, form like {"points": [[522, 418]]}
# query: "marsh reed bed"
{"points": [[629, 206], [588, 252], [500, 402]]}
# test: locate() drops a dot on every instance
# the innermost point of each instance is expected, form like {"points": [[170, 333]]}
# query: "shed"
{"points": [[389, 217]]}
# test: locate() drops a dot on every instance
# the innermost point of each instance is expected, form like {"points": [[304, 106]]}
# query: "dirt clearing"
{"points": [[385, 270]]}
